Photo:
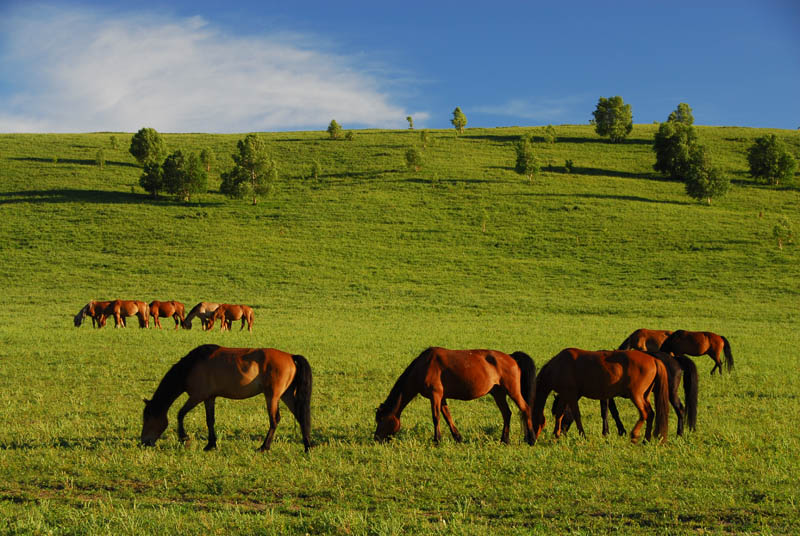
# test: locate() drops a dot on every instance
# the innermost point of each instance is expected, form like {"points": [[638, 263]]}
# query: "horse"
{"points": [[96, 310], [678, 367], [204, 311], [210, 371], [122, 309], [166, 309], [698, 343], [646, 340], [574, 373], [438, 374], [228, 313]]}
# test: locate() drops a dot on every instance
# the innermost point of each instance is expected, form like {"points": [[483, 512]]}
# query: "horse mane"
{"points": [[397, 388], [174, 381]]}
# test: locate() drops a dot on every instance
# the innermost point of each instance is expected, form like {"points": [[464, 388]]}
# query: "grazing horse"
{"points": [[439, 374], [678, 367], [697, 343], [96, 310], [228, 313], [122, 309], [210, 371], [574, 373], [166, 309], [204, 311], [646, 340]]}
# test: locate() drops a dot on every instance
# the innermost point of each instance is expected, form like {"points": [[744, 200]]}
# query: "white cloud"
{"points": [[544, 109], [79, 71]]}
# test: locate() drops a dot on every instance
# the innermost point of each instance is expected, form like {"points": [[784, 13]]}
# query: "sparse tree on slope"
{"points": [[613, 118], [147, 145], [770, 161], [254, 171], [184, 175], [459, 120]]}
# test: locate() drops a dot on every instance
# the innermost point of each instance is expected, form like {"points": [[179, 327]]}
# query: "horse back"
{"points": [[467, 374], [242, 373]]}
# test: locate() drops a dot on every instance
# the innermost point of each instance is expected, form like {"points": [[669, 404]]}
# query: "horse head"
{"points": [[153, 424], [80, 316], [387, 424]]}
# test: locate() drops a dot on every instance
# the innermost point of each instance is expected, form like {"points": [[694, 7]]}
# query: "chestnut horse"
{"points": [[228, 313], [678, 367], [574, 373], [166, 309], [439, 374], [210, 371], [122, 309], [204, 311], [698, 343], [96, 310], [646, 340]]}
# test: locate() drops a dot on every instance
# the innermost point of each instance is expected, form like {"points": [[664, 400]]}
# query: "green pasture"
{"points": [[360, 271]]}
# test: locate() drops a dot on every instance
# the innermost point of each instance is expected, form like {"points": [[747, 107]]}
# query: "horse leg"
{"points": [[177, 320], [274, 417], [499, 396], [212, 434], [640, 407], [717, 362], [604, 415], [187, 407], [436, 406], [449, 420], [558, 417], [576, 414], [615, 414], [648, 430]]}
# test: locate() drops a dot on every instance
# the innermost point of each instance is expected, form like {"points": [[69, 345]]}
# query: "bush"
{"points": [[783, 232], [527, 164], [413, 159], [334, 130], [568, 165]]}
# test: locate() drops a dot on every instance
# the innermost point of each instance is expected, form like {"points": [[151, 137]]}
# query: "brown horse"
{"points": [[632, 374], [646, 340], [210, 371], [96, 310], [121, 309], [439, 374], [228, 313], [204, 311], [166, 309], [678, 367], [697, 343]]}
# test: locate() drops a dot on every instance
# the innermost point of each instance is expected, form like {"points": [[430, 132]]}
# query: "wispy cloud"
{"points": [[78, 71], [541, 110]]}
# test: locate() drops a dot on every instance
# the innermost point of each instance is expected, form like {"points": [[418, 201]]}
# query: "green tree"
{"points": [[334, 130], [459, 120], [613, 118], [704, 181], [410, 122], [184, 175], [770, 160], [100, 158], [207, 158], [114, 143], [549, 135], [424, 138], [152, 179], [527, 164], [783, 232], [147, 145], [672, 144], [413, 159], [682, 114], [254, 171], [316, 169]]}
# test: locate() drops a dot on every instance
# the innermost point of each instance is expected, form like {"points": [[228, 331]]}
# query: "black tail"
{"points": [[728, 354], [302, 397], [527, 385], [626, 344], [689, 389]]}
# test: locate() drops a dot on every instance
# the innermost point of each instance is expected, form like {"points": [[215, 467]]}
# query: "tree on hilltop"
{"points": [[254, 171], [334, 130], [459, 120], [673, 144], [613, 118], [527, 164], [682, 114], [147, 146]]}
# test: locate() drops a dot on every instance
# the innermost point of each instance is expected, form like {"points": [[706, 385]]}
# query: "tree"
{"points": [[682, 114], [459, 120], [550, 135], [410, 122], [703, 180], [207, 158], [184, 175], [527, 164], [424, 138], [152, 179], [148, 146], [316, 169], [783, 232], [254, 171], [413, 159], [613, 118], [335, 130], [770, 161], [100, 158], [672, 144]]}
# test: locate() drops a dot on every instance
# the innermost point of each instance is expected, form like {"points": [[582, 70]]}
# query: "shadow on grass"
{"points": [[605, 196], [68, 195], [77, 161]]}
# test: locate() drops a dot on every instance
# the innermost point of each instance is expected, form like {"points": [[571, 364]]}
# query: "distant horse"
{"points": [[204, 311], [166, 309], [646, 340], [96, 310], [678, 367], [228, 313], [121, 309], [439, 374], [210, 371], [700, 343], [574, 373]]}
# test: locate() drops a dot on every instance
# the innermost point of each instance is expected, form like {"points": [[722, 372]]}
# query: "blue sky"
{"points": [[210, 66]]}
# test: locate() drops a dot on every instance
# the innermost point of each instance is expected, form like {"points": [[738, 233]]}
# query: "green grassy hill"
{"points": [[359, 271]]}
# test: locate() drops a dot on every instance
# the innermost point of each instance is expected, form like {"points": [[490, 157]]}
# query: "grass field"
{"points": [[360, 271]]}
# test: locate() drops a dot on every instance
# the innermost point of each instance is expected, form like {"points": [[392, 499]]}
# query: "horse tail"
{"points": [[662, 400], [302, 397], [689, 388], [527, 380], [726, 346], [626, 344]]}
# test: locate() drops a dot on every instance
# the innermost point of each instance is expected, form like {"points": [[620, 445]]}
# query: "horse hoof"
{"points": [[210, 447]]}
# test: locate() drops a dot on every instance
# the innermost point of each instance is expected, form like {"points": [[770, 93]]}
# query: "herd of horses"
{"points": [[207, 312], [648, 361]]}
